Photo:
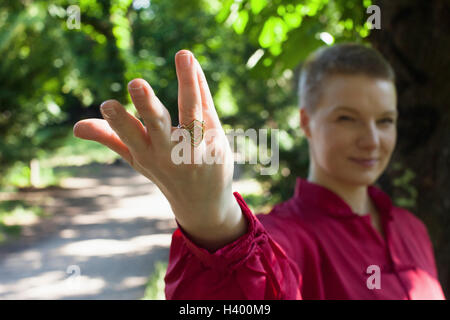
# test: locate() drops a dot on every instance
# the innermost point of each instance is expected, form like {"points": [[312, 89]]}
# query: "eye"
{"points": [[387, 120], [345, 118]]}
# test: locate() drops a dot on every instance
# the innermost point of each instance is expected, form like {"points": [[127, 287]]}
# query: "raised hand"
{"points": [[199, 193]]}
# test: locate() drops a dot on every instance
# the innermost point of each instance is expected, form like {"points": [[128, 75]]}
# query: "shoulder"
{"points": [[408, 228], [411, 235], [409, 220], [402, 217]]}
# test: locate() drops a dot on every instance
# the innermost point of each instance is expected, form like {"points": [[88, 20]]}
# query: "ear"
{"points": [[305, 122]]}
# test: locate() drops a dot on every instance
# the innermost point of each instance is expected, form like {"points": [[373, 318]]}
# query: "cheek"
{"points": [[332, 144], [387, 146], [388, 141]]}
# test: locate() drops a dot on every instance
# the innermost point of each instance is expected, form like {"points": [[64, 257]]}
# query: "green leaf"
{"points": [[293, 20], [257, 5], [274, 31], [241, 21], [224, 11]]}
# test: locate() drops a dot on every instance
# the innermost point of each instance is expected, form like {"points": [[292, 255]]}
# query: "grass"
{"points": [[13, 215], [53, 168], [77, 152], [74, 152], [155, 285]]}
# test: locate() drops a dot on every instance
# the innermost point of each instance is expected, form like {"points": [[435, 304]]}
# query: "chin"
{"points": [[358, 178]]}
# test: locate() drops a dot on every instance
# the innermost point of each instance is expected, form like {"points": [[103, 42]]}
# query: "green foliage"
{"points": [[49, 75], [260, 203], [155, 285], [14, 213], [56, 165], [280, 34], [55, 75], [287, 31], [77, 152], [406, 192]]}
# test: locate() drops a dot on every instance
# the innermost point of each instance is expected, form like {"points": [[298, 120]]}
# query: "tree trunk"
{"points": [[415, 38]]}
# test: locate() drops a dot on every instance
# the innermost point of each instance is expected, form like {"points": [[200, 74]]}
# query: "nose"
{"points": [[369, 137]]}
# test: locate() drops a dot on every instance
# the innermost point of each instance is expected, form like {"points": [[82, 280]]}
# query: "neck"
{"points": [[355, 196]]}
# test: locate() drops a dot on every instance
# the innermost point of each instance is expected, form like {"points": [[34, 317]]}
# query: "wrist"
{"points": [[216, 234]]}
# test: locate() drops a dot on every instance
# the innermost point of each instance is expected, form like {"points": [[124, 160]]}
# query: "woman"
{"points": [[338, 237]]}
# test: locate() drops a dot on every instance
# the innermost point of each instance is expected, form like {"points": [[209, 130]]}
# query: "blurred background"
{"points": [[78, 222]]}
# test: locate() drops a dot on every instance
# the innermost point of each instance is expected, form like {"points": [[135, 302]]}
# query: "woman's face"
{"points": [[352, 132]]}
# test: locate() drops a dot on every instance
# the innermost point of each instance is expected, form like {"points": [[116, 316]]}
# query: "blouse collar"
{"points": [[315, 195]]}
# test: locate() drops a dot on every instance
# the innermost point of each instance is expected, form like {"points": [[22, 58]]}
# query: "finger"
{"points": [[189, 98], [99, 130], [128, 128], [156, 117], [209, 111]]}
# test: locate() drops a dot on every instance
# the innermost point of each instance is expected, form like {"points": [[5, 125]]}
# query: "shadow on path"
{"points": [[109, 226]]}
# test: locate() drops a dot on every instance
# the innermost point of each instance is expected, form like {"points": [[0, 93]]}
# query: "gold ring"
{"points": [[195, 141]]}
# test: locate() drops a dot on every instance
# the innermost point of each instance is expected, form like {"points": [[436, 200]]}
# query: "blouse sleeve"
{"points": [[252, 267]]}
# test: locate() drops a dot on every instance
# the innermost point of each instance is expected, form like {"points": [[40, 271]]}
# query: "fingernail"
{"points": [[108, 111], [134, 85], [186, 59]]}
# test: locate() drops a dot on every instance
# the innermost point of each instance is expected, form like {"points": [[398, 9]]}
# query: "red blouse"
{"points": [[312, 246]]}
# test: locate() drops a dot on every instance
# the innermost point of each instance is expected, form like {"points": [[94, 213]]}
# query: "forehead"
{"points": [[359, 93]]}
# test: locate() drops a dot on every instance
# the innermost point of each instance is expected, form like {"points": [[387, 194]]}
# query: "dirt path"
{"points": [[109, 226], [106, 233]]}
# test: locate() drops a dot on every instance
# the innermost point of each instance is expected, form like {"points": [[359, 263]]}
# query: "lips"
{"points": [[364, 159], [365, 162]]}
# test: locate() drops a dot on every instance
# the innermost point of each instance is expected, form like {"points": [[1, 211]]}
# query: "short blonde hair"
{"points": [[346, 58]]}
